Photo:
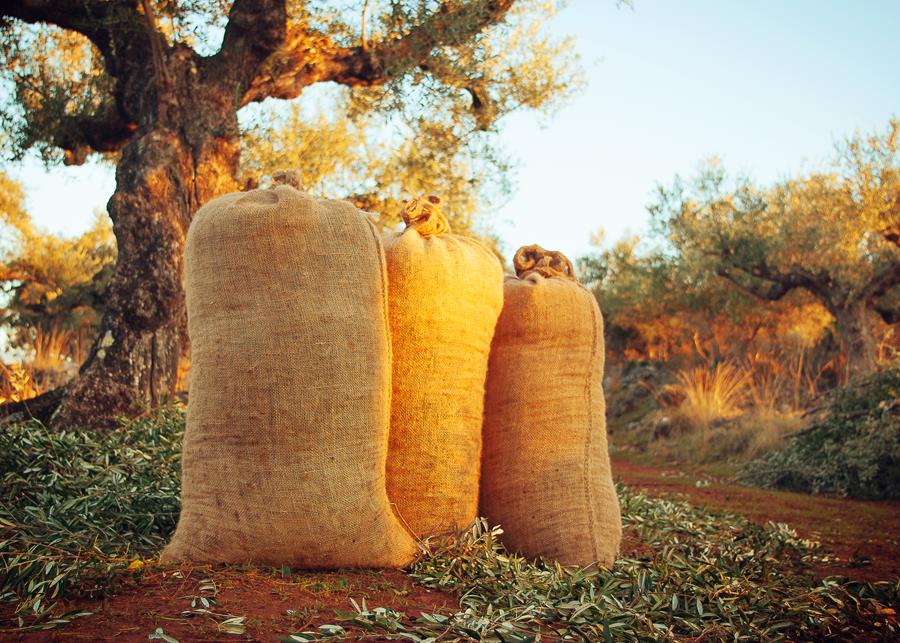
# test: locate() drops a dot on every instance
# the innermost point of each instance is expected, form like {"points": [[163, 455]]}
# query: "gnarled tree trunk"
{"points": [[160, 184], [186, 153], [854, 326]]}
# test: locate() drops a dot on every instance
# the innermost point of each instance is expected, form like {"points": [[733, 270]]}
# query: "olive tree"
{"points": [[834, 234], [155, 86]]}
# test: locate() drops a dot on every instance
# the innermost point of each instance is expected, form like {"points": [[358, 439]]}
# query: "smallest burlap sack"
{"points": [[546, 476]]}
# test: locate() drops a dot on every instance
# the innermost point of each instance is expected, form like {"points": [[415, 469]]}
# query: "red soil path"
{"points": [[272, 605], [863, 536]]}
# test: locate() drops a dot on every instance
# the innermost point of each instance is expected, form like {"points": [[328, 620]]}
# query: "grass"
{"points": [[52, 355], [722, 416], [711, 394], [55, 348], [78, 509], [733, 442]]}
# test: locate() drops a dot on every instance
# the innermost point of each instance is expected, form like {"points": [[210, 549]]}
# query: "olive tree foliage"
{"points": [[49, 284], [155, 86], [834, 234], [659, 307], [430, 128], [378, 165], [430, 131]]}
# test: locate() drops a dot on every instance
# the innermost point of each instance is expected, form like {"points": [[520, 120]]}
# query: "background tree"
{"points": [[157, 85], [659, 307], [345, 154], [51, 288], [832, 234], [50, 281]]}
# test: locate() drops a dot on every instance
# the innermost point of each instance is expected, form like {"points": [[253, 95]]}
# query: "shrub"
{"points": [[854, 450]]}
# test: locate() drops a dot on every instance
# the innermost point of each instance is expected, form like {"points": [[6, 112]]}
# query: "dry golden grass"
{"points": [[52, 356], [730, 442], [50, 348], [711, 394], [17, 383], [54, 348]]}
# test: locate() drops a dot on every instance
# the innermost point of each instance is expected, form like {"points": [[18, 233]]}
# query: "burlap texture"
{"points": [[287, 424], [546, 477], [445, 294]]}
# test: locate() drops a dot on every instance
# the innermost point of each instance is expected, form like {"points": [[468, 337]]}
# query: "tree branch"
{"points": [[772, 291], [163, 78], [882, 281], [255, 30], [105, 131], [880, 285], [890, 228], [309, 57], [40, 408], [91, 18], [890, 314], [11, 274], [768, 283]]}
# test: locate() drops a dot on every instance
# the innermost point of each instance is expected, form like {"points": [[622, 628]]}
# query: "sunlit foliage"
{"points": [[51, 284], [429, 129], [52, 85], [658, 308], [736, 269]]}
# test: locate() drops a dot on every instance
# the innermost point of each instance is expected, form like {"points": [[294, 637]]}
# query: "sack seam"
{"points": [[588, 450]]}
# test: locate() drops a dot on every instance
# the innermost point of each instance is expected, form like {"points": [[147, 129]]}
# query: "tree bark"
{"points": [[185, 152], [853, 313], [134, 359], [854, 326]]}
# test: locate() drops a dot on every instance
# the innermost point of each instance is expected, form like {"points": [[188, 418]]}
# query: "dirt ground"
{"points": [[273, 605], [864, 538]]}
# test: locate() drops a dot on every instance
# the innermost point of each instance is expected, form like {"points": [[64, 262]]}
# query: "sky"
{"points": [[768, 86]]}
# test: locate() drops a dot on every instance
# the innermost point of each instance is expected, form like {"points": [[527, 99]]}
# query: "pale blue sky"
{"points": [[769, 86]]}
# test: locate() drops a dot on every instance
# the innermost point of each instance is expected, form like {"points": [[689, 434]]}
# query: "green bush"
{"points": [[853, 451], [77, 507]]}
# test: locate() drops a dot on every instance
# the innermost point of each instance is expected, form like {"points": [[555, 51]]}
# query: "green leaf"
{"points": [[160, 635]]}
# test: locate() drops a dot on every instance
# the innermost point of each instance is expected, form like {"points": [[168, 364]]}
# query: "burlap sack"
{"points": [[545, 469], [445, 293], [287, 425]]}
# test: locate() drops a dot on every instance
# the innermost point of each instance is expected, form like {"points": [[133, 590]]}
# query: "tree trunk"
{"points": [[854, 327], [165, 174]]}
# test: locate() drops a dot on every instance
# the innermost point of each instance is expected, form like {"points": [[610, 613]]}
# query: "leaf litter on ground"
{"points": [[79, 508]]}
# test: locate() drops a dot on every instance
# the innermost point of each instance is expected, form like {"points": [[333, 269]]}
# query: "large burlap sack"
{"points": [[545, 470], [287, 423], [445, 294]]}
